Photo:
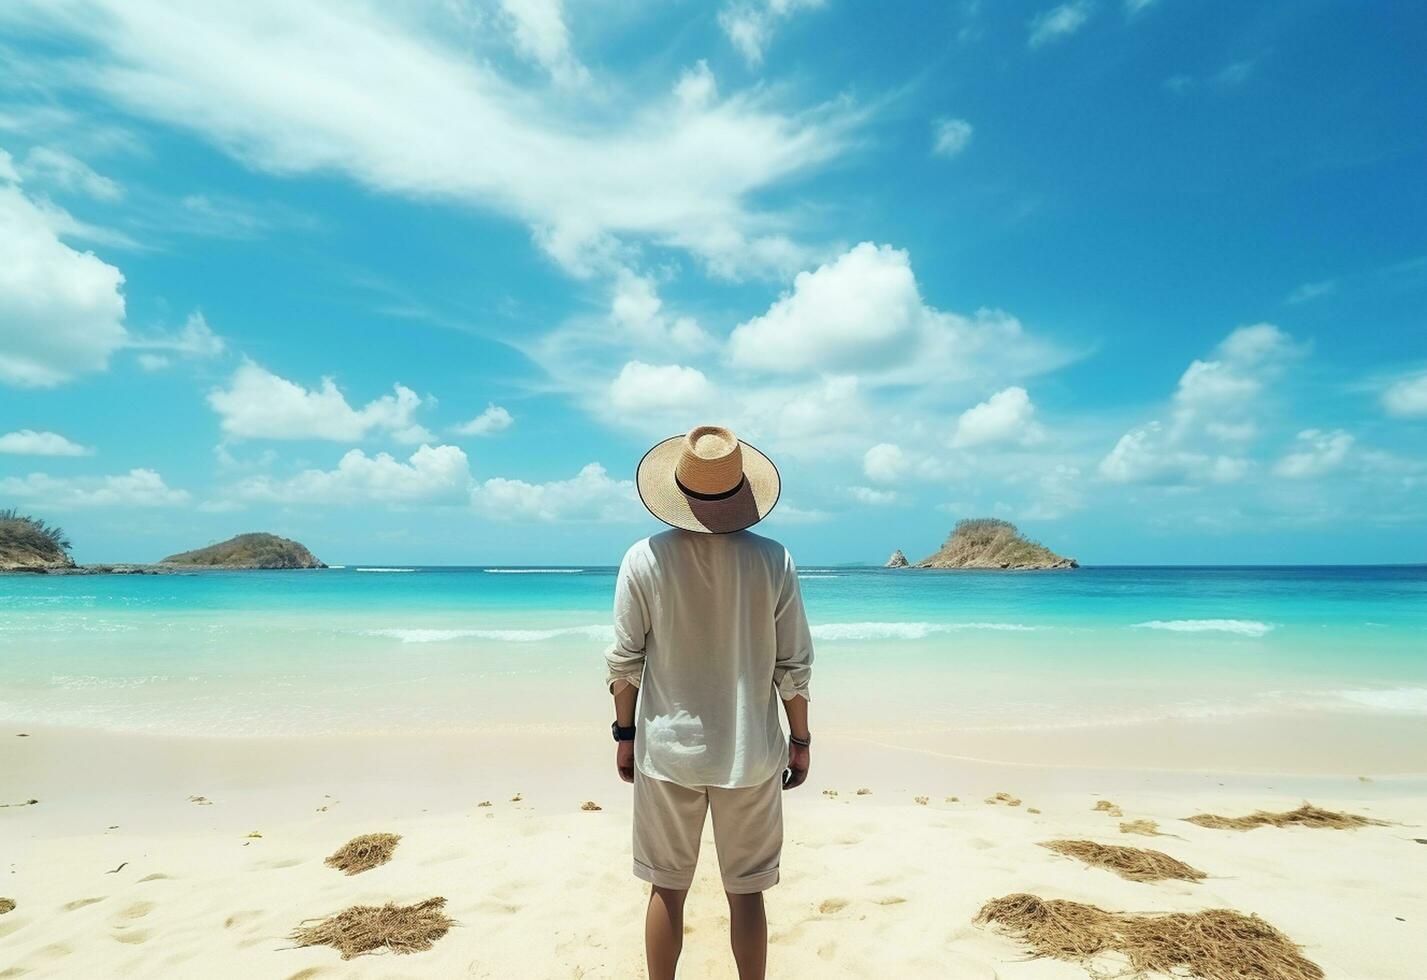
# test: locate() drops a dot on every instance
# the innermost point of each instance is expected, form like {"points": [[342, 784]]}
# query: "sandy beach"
{"points": [[163, 856]]}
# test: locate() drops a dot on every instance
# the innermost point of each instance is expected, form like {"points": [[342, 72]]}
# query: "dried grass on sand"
{"points": [[1005, 798], [1215, 944], [367, 928], [1145, 828], [7, 905], [363, 853], [1130, 863], [1307, 815]]}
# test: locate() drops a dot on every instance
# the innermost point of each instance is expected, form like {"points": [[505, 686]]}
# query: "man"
{"points": [[710, 637]]}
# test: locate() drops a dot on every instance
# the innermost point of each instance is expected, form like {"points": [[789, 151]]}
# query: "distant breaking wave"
{"points": [[1395, 700], [905, 631], [532, 571], [385, 569], [1243, 627], [596, 632]]}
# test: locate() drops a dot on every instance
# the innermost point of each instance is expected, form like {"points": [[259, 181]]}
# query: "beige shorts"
{"points": [[747, 824]]}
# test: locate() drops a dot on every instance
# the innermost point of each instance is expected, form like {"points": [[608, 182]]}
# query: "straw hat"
{"points": [[706, 480]]}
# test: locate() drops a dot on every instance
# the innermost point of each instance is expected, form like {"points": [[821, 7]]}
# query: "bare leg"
{"points": [[664, 931], [748, 931]]}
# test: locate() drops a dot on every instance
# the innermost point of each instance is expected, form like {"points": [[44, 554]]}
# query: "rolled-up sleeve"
{"points": [[625, 656], [793, 666]]}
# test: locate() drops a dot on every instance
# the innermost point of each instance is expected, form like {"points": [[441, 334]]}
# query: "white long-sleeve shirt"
{"points": [[711, 628]]}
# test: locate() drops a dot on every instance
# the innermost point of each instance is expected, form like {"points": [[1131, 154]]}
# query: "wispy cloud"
{"points": [[950, 136], [1309, 291], [750, 24], [1060, 22]]}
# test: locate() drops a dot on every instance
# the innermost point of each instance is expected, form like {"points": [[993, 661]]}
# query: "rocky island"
{"points": [[898, 560], [28, 544], [254, 550], [988, 542]]}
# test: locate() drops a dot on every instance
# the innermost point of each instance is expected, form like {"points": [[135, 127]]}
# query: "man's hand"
{"points": [[624, 760], [800, 757]]}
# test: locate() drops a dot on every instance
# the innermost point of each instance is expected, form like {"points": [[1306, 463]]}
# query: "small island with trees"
{"points": [[29, 544], [987, 542]]}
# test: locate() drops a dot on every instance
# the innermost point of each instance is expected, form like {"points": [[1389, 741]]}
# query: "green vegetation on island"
{"points": [[29, 544], [988, 542], [255, 550]]}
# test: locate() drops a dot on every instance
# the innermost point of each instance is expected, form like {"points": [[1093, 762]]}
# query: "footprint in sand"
{"points": [[80, 903], [309, 973], [891, 900], [137, 911], [132, 937], [831, 905], [155, 877], [241, 918]]}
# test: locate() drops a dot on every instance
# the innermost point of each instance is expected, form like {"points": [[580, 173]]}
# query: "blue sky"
{"points": [[420, 282]]}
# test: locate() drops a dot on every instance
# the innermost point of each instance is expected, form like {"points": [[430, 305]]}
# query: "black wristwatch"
{"points": [[622, 734]]}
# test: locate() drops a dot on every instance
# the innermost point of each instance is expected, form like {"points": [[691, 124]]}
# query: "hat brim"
{"points": [[661, 494]]}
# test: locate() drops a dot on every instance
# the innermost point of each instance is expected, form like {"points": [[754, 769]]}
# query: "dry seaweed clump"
{"points": [[1005, 798], [368, 928], [1214, 944], [1307, 815], [7, 905], [363, 853], [1130, 863], [1145, 828]]}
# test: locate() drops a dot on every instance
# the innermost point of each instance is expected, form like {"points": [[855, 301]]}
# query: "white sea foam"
{"points": [[817, 575], [1242, 627], [385, 569], [532, 571], [905, 630], [1396, 700], [594, 631]]}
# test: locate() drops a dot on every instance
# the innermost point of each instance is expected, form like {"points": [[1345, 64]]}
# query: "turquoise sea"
{"points": [[422, 649]]}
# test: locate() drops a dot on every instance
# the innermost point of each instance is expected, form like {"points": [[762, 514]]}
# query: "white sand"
{"points": [[872, 885]]}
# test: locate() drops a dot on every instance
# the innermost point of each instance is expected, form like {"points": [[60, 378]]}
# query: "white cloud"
{"points": [[1133, 7], [1213, 414], [1319, 452], [863, 312], [591, 495], [641, 388], [872, 496], [1143, 455], [494, 419], [884, 463], [749, 24], [153, 362], [61, 310], [392, 96], [1007, 416], [1311, 291], [1059, 22], [195, 339], [950, 136], [28, 442], [258, 404], [539, 30], [56, 168], [1407, 397], [136, 488], [438, 474], [638, 312]]}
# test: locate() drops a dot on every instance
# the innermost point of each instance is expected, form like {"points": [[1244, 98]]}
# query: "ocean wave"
{"points": [[1242, 627], [532, 571], [384, 569], [596, 632], [817, 575], [905, 630], [1394, 700]]}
